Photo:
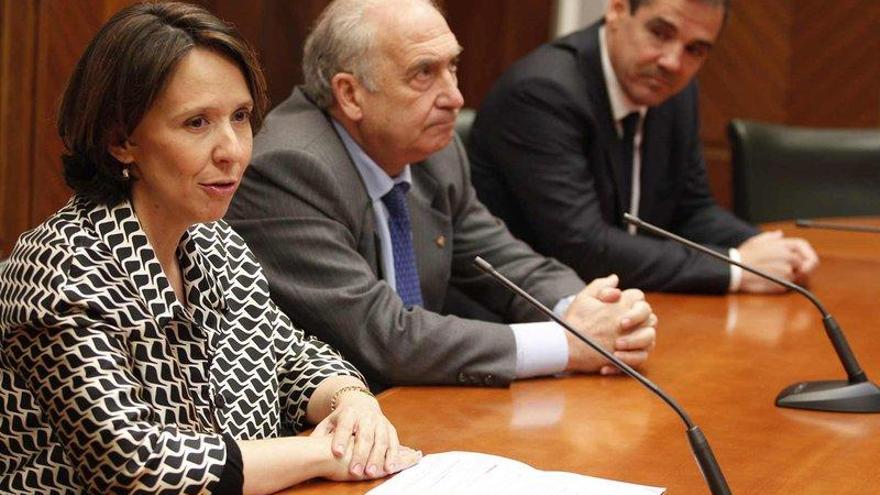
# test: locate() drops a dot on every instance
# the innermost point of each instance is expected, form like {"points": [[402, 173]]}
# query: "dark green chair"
{"points": [[782, 172], [464, 122]]}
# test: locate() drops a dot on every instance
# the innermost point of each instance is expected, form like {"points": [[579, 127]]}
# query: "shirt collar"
{"points": [[376, 180], [621, 105]]}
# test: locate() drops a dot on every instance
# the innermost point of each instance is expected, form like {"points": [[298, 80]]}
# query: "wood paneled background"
{"points": [[797, 62], [809, 62]]}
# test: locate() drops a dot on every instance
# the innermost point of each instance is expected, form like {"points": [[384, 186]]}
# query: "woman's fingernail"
{"points": [[371, 470], [357, 469]]}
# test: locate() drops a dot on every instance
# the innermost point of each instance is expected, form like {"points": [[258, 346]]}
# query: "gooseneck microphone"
{"points": [[856, 394], [810, 224], [699, 445]]}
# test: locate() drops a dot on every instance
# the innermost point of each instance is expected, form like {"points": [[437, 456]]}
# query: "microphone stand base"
{"points": [[832, 395]]}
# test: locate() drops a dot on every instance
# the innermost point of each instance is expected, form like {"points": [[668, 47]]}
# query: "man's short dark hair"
{"points": [[122, 71]]}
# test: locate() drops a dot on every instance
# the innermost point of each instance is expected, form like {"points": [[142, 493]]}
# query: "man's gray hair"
{"points": [[341, 41], [635, 4]]}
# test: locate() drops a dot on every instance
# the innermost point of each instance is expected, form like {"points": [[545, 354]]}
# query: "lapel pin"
{"points": [[440, 241]]}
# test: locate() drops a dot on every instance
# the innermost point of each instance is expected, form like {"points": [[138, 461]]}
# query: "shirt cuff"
{"points": [[541, 349], [562, 306], [736, 273]]}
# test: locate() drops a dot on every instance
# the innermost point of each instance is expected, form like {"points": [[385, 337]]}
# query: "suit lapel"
{"points": [[368, 244], [431, 231], [655, 143], [590, 60]]}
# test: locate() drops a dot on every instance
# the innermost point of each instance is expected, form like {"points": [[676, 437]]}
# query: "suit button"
{"points": [[489, 379], [462, 378]]}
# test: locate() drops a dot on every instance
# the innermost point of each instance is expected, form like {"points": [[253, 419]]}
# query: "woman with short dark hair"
{"points": [[139, 349]]}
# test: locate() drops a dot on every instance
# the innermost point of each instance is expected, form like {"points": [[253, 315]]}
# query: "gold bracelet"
{"points": [[334, 401]]}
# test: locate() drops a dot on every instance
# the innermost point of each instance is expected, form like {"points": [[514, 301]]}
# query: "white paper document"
{"points": [[463, 473]]}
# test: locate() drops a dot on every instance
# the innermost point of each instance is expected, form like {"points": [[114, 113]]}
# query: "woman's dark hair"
{"points": [[119, 75]]}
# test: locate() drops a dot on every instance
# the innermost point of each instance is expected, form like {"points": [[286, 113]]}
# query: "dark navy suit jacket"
{"points": [[547, 160]]}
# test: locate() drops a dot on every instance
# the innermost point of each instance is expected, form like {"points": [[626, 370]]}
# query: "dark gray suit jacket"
{"points": [[304, 210], [547, 160]]}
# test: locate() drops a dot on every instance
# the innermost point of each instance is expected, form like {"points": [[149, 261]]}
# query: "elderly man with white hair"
{"points": [[360, 208]]}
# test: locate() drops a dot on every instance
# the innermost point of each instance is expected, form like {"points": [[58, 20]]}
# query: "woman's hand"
{"points": [[360, 433], [338, 468]]}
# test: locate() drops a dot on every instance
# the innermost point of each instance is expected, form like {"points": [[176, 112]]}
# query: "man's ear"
{"points": [[615, 10], [347, 91], [122, 149]]}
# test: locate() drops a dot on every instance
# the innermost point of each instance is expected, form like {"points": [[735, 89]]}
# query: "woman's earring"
{"points": [[125, 174]]}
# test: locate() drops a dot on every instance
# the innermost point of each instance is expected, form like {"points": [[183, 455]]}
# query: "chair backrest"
{"points": [[782, 172], [464, 122]]}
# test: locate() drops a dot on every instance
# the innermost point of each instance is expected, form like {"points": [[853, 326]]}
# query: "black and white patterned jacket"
{"points": [[109, 384]]}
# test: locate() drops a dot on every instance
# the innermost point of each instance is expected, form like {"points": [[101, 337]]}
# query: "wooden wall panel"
{"points": [[64, 30], [18, 26], [494, 34], [835, 79], [747, 76], [277, 30], [747, 73]]}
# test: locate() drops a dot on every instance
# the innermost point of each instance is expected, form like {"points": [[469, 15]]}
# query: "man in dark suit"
{"points": [[605, 121], [361, 248]]}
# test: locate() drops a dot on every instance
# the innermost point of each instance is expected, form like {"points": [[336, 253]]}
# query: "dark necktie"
{"points": [[406, 273], [629, 124]]}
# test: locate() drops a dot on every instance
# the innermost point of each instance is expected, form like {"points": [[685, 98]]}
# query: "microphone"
{"points": [[699, 444], [856, 394], [810, 224]]}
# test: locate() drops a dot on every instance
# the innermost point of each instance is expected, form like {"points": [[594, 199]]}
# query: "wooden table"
{"points": [[724, 359]]}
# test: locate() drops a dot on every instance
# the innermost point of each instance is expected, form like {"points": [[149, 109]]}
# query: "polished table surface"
{"points": [[724, 359]]}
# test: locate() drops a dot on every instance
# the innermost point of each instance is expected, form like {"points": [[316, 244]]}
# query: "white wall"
{"points": [[572, 15]]}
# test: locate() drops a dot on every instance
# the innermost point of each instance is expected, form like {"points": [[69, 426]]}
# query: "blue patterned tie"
{"points": [[406, 274]]}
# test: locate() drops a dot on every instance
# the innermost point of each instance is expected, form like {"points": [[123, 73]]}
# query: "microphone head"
{"points": [[631, 219], [483, 264]]}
